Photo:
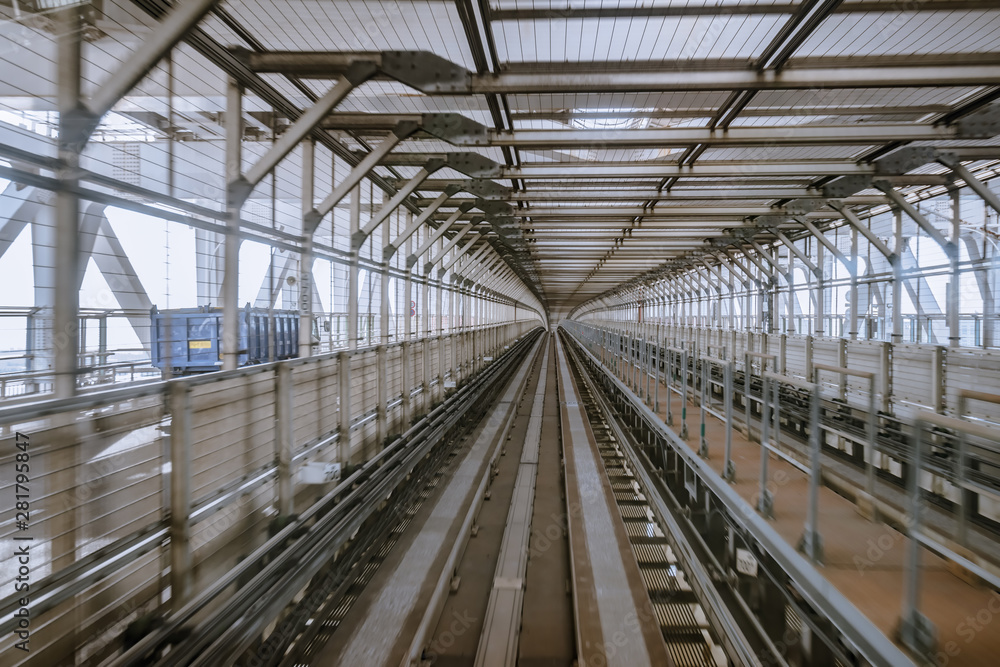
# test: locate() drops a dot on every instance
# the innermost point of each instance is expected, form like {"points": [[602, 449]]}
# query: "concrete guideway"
{"points": [[396, 596]]}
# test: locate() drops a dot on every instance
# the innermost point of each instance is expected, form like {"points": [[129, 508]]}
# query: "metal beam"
{"points": [[789, 135], [841, 207], [747, 171], [916, 216], [448, 246], [582, 194], [565, 12], [358, 238], [974, 183], [158, 43], [302, 127], [390, 250], [431, 74], [444, 227], [822, 238], [802, 257], [402, 131]]}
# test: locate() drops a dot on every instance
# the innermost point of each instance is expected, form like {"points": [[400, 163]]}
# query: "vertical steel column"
{"points": [[440, 338], [897, 278], [352, 271], [819, 329], [283, 441], [954, 305], [234, 204], [306, 254], [344, 413], [383, 285], [66, 297], [180, 494], [853, 313], [454, 336]]}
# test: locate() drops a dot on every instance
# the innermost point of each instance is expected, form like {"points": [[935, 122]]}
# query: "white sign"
{"points": [[746, 563]]}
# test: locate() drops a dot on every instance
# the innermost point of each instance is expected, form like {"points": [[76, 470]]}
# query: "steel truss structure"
{"points": [[449, 175]]}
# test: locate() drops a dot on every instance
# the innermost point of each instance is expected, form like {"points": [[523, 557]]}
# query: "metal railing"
{"points": [[126, 481]]}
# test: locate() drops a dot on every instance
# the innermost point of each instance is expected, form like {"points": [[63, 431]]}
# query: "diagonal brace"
{"points": [[360, 236]]}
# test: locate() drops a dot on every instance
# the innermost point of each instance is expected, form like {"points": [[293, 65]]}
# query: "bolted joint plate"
{"points": [[433, 165], [495, 208], [905, 159], [473, 165], [411, 261], [388, 251], [770, 221], [486, 189], [452, 189], [466, 206], [982, 124], [455, 129], [845, 186], [948, 158], [405, 128], [802, 206], [425, 71]]}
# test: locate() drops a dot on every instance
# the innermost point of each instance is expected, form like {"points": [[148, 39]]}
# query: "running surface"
{"points": [[615, 621]]}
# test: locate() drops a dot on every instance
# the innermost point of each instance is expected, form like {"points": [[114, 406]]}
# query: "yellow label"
{"points": [[199, 344]]}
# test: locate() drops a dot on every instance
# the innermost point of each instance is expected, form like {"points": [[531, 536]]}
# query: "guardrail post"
{"points": [[406, 381], [648, 347], [872, 439], [656, 375], [782, 353], [705, 374], [669, 372], [916, 631], [180, 494], [344, 427], [885, 364], [937, 378], [746, 391], [809, 357], [842, 362], [684, 394], [425, 375], [765, 502], [283, 441], [811, 543], [729, 471]]}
